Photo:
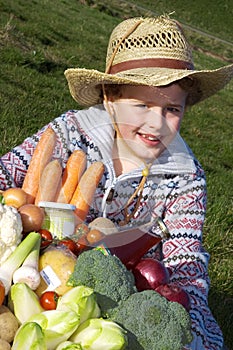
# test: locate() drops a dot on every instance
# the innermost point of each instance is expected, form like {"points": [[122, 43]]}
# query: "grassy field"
{"points": [[39, 39]]}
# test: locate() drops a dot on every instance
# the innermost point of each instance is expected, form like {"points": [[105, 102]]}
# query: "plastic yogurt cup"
{"points": [[59, 218]]}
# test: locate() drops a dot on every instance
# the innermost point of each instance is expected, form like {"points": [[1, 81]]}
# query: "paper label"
{"points": [[50, 278]]}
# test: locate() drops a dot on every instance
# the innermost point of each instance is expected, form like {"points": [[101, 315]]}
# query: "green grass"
{"points": [[213, 17], [39, 39]]}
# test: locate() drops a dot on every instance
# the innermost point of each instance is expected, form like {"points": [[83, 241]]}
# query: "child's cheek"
{"points": [[125, 130]]}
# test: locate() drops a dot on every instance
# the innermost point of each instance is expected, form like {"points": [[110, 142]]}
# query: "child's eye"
{"points": [[141, 105], [173, 109]]}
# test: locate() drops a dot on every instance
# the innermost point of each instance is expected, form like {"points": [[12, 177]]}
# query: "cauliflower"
{"points": [[11, 229]]}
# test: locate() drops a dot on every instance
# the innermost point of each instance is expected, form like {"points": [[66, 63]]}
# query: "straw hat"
{"points": [[149, 51]]}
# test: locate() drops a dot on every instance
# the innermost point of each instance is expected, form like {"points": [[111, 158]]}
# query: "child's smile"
{"points": [[149, 139]]}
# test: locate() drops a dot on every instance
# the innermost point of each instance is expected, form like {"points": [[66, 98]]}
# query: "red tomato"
{"points": [[2, 293], [48, 300], [70, 244], [82, 244], [46, 237]]}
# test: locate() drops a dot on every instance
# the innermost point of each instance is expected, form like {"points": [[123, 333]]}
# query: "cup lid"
{"points": [[56, 205]]}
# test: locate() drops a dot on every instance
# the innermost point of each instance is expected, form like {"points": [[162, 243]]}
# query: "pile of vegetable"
{"points": [[71, 293], [95, 305], [101, 309]]}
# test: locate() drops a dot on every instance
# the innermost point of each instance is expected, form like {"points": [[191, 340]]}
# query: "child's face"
{"points": [[148, 118]]}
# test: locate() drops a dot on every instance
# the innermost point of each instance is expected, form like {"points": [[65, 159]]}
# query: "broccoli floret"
{"points": [[152, 322], [106, 275]]}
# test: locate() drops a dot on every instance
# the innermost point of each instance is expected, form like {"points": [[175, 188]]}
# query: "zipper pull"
{"points": [[110, 196]]}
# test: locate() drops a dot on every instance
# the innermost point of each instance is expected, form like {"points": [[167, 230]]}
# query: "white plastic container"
{"points": [[59, 218]]}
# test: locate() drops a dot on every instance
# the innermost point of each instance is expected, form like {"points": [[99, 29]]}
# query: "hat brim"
{"points": [[85, 84]]}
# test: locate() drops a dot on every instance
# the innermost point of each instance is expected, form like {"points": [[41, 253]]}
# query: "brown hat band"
{"points": [[151, 62]]}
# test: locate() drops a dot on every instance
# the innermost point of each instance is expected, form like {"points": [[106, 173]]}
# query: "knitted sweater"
{"points": [[175, 190]]}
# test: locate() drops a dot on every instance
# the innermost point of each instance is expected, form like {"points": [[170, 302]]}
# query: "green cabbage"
{"points": [[81, 300], [26, 307], [57, 325], [100, 334], [29, 336]]}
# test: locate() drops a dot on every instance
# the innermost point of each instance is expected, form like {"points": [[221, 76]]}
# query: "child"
{"points": [[131, 123]]}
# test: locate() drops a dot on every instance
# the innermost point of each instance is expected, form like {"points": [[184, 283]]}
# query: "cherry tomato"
{"points": [[2, 293], [46, 237], [94, 236], [70, 244], [32, 217], [15, 197], [48, 300], [82, 244]]}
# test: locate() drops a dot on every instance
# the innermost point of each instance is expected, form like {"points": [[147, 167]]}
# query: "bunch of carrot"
{"points": [[45, 179]]}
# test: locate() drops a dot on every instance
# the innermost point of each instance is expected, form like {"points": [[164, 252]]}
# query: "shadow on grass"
{"points": [[45, 66], [221, 305]]}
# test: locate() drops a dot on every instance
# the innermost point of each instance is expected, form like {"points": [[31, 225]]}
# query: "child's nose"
{"points": [[156, 118]]}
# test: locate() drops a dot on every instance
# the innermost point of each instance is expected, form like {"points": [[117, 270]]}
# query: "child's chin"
{"points": [[150, 156]]}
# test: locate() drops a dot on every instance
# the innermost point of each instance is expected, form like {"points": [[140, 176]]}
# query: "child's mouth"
{"points": [[151, 138], [148, 138]]}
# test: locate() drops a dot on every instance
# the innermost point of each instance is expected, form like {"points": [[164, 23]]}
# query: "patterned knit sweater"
{"points": [[175, 190]]}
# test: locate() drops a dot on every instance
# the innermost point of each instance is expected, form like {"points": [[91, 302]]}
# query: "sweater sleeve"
{"points": [[185, 256], [14, 164]]}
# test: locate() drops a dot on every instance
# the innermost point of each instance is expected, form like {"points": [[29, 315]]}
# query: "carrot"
{"points": [[74, 169], [49, 182], [84, 193], [40, 158]]}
